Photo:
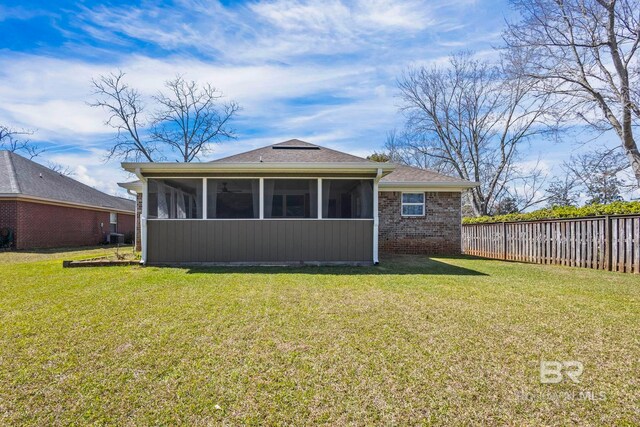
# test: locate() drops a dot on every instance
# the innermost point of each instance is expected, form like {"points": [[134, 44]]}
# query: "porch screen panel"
{"points": [[347, 198], [233, 198], [290, 198], [175, 198]]}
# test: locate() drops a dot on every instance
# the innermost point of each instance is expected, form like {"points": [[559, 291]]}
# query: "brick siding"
{"points": [[438, 232], [9, 215], [127, 224], [38, 225]]}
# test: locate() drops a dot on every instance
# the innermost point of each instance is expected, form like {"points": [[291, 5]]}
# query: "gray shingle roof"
{"points": [[410, 174], [292, 150], [20, 176], [295, 150]]}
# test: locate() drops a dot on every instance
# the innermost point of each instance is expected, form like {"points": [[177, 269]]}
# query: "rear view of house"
{"points": [[293, 202], [40, 208]]}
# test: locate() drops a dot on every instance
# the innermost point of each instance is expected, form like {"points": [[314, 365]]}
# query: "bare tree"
{"points": [[525, 189], [599, 174], [411, 148], [188, 119], [126, 114], [507, 205], [13, 140], [191, 118], [470, 119], [381, 157], [562, 191], [584, 52]]}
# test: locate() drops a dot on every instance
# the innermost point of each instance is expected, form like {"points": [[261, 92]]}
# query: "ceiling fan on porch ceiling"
{"points": [[226, 190]]}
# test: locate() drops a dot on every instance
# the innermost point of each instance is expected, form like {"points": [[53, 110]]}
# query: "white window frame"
{"points": [[403, 204], [113, 220]]}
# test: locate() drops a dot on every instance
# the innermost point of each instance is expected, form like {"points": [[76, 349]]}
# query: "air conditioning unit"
{"points": [[116, 238]]}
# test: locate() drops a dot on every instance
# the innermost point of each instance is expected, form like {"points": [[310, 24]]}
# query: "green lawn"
{"points": [[412, 341]]}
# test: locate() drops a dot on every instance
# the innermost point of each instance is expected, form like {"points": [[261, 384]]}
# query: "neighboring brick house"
{"points": [[293, 202], [41, 208]]}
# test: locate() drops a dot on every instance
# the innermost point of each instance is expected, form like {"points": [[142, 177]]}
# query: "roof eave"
{"points": [[133, 186], [56, 202]]}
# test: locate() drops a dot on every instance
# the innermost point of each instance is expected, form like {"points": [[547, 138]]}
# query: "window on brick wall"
{"points": [[113, 222], [412, 204]]}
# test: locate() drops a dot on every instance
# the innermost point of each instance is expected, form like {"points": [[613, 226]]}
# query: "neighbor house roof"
{"points": [[20, 177], [297, 155]]}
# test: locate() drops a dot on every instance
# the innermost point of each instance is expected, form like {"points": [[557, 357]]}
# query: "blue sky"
{"points": [[320, 71]]}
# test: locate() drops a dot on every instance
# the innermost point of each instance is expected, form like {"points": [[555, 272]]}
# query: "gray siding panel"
{"points": [[185, 241]]}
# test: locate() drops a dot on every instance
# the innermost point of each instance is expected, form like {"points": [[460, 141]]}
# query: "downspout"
{"points": [[143, 216], [376, 219], [135, 219]]}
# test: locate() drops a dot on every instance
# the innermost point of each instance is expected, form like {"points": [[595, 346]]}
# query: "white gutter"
{"points": [[54, 202], [376, 218]]}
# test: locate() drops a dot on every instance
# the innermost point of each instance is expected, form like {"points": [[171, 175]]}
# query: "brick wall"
{"points": [[9, 214], [126, 223], [40, 225], [438, 232]]}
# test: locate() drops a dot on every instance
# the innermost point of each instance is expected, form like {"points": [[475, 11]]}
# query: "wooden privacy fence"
{"points": [[604, 243]]}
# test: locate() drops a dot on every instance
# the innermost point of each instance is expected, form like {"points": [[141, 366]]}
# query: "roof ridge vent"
{"points": [[295, 147]]}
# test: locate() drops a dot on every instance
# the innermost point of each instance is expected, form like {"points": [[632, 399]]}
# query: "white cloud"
{"points": [[89, 167], [51, 95], [274, 30], [275, 57], [345, 19], [18, 12], [56, 118]]}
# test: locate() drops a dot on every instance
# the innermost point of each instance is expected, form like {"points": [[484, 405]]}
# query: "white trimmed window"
{"points": [[113, 222], [412, 204]]}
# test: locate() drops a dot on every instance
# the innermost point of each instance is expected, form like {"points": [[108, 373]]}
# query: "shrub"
{"points": [[615, 208]]}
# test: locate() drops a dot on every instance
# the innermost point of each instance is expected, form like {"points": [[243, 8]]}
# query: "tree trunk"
{"points": [[634, 158]]}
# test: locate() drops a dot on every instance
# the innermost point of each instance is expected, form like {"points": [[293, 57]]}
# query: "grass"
{"points": [[444, 341]]}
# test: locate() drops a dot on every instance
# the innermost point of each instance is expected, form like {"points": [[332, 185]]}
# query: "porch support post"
{"points": [[143, 216], [319, 198], [261, 190], [375, 217], [204, 198]]}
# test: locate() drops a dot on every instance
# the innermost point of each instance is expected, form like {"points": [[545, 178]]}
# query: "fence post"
{"points": [[608, 243], [504, 240]]}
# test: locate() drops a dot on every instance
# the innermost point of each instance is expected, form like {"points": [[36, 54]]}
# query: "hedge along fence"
{"points": [[605, 243], [562, 212]]}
